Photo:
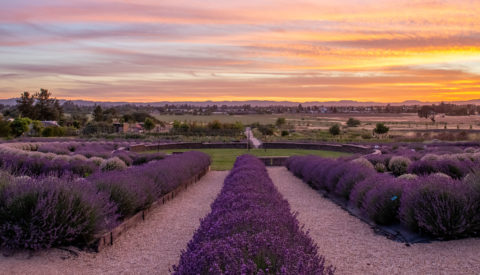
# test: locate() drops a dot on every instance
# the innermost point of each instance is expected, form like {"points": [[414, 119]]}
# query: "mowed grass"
{"points": [[223, 159]]}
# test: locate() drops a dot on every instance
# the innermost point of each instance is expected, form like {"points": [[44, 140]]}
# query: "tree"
{"points": [[381, 129], [25, 105], [280, 121], [20, 126], [5, 129], [334, 130], [47, 108], [427, 112], [352, 122], [98, 114], [148, 124]]}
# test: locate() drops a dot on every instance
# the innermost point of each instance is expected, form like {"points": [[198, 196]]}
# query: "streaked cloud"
{"points": [[186, 49]]}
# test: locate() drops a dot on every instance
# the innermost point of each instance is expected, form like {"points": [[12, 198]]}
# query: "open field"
{"points": [[403, 121], [223, 159], [314, 127]]}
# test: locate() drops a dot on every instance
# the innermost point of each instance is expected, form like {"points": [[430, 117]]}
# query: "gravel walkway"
{"points": [[354, 248], [152, 247]]}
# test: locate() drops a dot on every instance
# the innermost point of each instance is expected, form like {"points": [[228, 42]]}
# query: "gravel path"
{"points": [[152, 247], [354, 248]]}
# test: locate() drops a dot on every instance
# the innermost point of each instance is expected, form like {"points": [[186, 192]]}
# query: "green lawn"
{"points": [[223, 159]]}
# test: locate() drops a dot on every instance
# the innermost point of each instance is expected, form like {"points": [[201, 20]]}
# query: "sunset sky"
{"points": [[150, 50]]}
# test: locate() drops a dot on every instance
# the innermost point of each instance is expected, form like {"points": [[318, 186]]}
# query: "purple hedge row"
{"points": [[38, 213], [136, 188], [250, 230], [33, 163], [435, 205], [38, 166]]}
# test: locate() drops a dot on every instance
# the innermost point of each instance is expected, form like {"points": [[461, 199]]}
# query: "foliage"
{"points": [[112, 164], [148, 124], [399, 165], [280, 121], [250, 230], [39, 106], [214, 128], [53, 131], [5, 128], [138, 187], [439, 206], [381, 129], [436, 205], [20, 126], [334, 130], [382, 202], [352, 122], [37, 214]]}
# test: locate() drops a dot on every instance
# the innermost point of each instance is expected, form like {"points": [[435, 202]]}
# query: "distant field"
{"points": [[245, 119], [314, 127], [402, 121], [223, 159]]}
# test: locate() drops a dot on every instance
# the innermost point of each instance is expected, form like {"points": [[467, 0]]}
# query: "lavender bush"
{"points": [[37, 214], [138, 187], [381, 203], [399, 165], [440, 206], [250, 231]]}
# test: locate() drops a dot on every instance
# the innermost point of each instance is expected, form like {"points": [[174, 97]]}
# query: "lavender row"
{"points": [[27, 159], [436, 205], [38, 213], [137, 188], [250, 230]]}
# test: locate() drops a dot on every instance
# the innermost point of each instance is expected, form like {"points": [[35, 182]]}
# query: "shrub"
{"points": [[381, 128], [408, 176], [382, 202], [250, 230], [360, 189], [97, 161], [138, 187], [438, 206], [379, 158], [145, 158], [353, 175], [132, 192], [334, 130], [399, 165], [380, 167], [37, 214], [363, 162], [79, 157], [352, 122], [113, 164], [5, 180]]}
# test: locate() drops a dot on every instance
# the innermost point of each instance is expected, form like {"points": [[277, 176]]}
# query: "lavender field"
{"points": [[433, 191], [64, 194], [67, 193]]}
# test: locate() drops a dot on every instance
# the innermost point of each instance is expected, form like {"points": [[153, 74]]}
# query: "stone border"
{"points": [[274, 161], [347, 148], [109, 238], [187, 145]]}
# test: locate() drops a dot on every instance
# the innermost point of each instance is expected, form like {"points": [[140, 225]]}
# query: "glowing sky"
{"points": [[150, 50]]}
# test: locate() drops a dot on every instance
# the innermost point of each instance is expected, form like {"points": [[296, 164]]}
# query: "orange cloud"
{"points": [[132, 50]]}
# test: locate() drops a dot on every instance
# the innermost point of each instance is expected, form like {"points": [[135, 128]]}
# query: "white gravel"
{"points": [[354, 248], [152, 247]]}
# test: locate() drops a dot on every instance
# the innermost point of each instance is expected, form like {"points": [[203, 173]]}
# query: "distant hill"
{"points": [[262, 103]]}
